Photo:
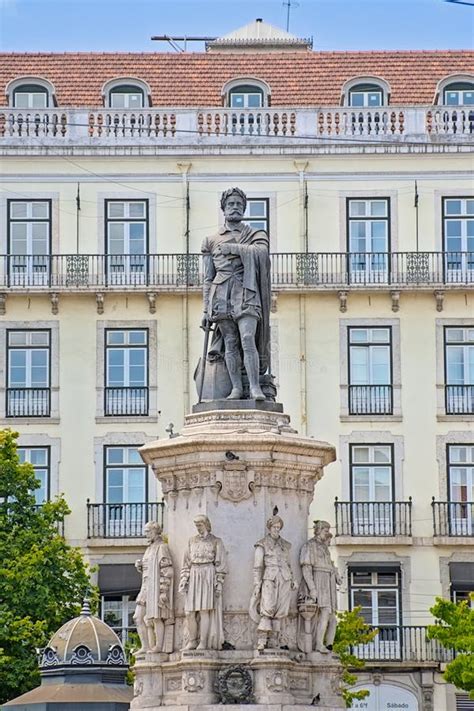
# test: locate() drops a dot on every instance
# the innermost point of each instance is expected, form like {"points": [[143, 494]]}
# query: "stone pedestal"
{"points": [[237, 466]]}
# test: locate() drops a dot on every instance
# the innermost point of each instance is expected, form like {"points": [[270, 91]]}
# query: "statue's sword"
{"points": [[207, 330]]}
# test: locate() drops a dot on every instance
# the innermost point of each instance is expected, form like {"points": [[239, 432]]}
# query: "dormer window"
{"points": [[126, 93], [366, 95], [30, 93], [126, 96], [365, 92], [246, 93], [459, 94]]}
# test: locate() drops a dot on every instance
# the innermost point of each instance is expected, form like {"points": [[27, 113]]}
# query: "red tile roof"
{"points": [[196, 79]]}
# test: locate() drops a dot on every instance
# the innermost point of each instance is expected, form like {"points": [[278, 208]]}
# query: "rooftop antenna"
{"points": [[289, 4], [173, 41]]}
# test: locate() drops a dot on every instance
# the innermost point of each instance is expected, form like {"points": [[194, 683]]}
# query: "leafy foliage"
{"points": [[42, 579], [351, 631], [454, 629]]}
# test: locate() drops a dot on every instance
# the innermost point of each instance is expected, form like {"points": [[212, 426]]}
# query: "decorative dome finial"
{"points": [[86, 608]]}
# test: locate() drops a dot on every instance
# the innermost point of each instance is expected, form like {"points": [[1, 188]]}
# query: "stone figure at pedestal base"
{"points": [[317, 592], [201, 581], [154, 611], [273, 583]]}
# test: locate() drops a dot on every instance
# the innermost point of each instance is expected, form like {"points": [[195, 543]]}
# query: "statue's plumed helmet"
{"points": [[203, 519], [227, 193], [273, 521]]}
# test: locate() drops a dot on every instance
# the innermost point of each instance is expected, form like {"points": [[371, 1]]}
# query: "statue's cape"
{"points": [[153, 591], [257, 279]]}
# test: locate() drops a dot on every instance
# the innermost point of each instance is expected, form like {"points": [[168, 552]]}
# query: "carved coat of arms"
{"points": [[236, 482]]}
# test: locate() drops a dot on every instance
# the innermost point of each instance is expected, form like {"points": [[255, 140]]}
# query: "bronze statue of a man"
{"points": [[237, 296]]}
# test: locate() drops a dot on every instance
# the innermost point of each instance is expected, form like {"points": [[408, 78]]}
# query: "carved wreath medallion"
{"points": [[235, 685]]}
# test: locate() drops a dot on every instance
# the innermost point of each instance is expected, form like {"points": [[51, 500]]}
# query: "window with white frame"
{"points": [[30, 96], [371, 481], [125, 491], [459, 370], [28, 373], [366, 96], [126, 239], [256, 214], [117, 611], [246, 96], [126, 372], [459, 94], [39, 458], [368, 239], [377, 590], [458, 236], [29, 242], [126, 96], [370, 371], [460, 460]]}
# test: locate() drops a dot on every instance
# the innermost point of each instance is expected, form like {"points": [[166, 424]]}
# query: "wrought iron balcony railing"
{"points": [[126, 401], [459, 399], [370, 399], [170, 126], [28, 402], [290, 270], [122, 520], [403, 643], [454, 519], [373, 518]]}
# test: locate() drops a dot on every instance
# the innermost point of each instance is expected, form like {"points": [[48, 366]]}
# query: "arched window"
{"points": [[365, 92], [459, 94], [30, 93], [126, 94], [455, 90], [246, 94]]}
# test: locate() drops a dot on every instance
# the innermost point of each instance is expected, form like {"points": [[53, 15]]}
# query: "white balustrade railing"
{"points": [[194, 126]]}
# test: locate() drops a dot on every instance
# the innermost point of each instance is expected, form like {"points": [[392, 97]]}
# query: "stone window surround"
{"points": [[247, 81], [123, 439], [442, 441], [372, 559], [373, 437], [151, 326], [126, 195], [382, 84], [394, 323], [440, 373], [444, 561], [25, 196], [128, 81], [16, 83], [370, 194], [271, 196], [438, 196], [54, 444], [53, 327], [409, 681], [446, 81]]}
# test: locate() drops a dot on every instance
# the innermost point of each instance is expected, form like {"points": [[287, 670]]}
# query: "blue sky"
{"points": [[126, 25]]}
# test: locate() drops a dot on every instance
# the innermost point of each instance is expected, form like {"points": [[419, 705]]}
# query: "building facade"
{"points": [[359, 164]]}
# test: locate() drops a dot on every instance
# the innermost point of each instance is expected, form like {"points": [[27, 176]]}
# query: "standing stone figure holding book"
{"points": [[237, 297]]}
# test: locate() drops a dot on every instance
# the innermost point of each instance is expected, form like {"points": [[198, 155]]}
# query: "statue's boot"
{"points": [[236, 394], [257, 394], [261, 642], [201, 646], [192, 644]]}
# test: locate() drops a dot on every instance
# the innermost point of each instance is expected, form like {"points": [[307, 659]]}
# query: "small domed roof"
{"points": [[83, 640]]}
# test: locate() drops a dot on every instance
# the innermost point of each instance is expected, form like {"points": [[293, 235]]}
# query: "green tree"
{"points": [[351, 631], [42, 579], [454, 628]]}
